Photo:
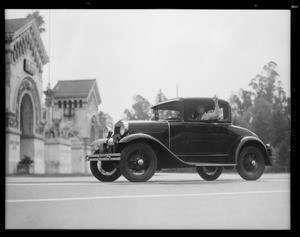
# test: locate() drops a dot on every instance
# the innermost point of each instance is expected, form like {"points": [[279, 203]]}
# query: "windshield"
{"points": [[170, 111]]}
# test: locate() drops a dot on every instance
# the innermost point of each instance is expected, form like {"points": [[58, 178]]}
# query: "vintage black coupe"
{"points": [[174, 138]]}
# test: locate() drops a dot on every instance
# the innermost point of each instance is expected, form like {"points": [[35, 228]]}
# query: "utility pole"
{"points": [[177, 90]]}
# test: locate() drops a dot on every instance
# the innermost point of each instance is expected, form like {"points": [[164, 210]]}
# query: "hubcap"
{"points": [[250, 163], [140, 162]]}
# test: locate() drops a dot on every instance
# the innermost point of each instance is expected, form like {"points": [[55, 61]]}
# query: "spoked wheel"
{"points": [[209, 173], [251, 163], [138, 162], [104, 170]]}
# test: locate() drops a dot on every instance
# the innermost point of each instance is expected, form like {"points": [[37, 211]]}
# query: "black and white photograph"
{"points": [[148, 119]]}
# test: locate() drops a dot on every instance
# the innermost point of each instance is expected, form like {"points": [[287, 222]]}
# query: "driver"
{"points": [[212, 114]]}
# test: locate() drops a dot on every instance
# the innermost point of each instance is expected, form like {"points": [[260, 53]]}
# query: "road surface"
{"points": [[166, 201]]}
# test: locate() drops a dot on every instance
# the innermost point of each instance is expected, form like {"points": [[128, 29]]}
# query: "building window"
{"points": [[75, 103], [70, 107], [59, 104]]}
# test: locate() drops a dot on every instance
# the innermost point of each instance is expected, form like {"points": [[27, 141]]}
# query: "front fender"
{"points": [[166, 156], [249, 140], [136, 136], [99, 144]]}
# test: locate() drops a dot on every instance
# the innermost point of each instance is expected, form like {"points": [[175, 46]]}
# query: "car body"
{"points": [[174, 139]]}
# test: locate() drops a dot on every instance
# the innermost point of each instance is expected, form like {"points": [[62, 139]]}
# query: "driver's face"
{"points": [[200, 109]]}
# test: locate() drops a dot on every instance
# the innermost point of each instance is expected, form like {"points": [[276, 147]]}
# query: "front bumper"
{"points": [[103, 157]]}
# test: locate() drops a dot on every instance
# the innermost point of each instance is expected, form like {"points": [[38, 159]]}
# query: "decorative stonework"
{"points": [[11, 120], [24, 42], [28, 85]]}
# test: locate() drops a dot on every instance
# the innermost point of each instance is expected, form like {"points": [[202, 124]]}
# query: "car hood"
{"points": [[148, 127]]}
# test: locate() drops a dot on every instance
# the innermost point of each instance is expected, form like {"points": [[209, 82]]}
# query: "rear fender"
{"points": [[251, 141]]}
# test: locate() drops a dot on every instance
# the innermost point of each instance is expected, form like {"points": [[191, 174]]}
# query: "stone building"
{"points": [[76, 102], [72, 123], [25, 56], [56, 138]]}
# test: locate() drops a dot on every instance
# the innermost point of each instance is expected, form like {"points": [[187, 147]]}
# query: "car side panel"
{"points": [[206, 142]]}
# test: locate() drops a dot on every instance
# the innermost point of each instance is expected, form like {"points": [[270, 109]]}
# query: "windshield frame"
{"points": [[165, 107]]}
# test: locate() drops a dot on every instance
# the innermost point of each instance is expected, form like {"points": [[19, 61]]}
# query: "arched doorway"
{"points": [[93, 133], [26, 119], [26, 127]]}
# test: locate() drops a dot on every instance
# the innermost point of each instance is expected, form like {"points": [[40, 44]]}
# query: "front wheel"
{"points": [[250, 163], [209, 173], [104, 170], [138, 162]]}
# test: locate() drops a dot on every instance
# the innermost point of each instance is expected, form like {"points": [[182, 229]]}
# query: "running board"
{"points": [[208, 164]]}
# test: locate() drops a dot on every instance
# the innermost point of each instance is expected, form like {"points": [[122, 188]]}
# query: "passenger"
{"points": [[212, 114]]}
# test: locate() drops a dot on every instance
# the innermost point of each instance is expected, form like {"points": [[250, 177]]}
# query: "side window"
{"points": [[169, 111], [201, 110], [224, 111]]}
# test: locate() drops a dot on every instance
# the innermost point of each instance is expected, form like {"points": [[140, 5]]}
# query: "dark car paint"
{"points": [[179, 140]]}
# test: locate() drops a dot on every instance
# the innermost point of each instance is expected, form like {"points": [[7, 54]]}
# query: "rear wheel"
{"points": [[104, 170], [209, 173], [138, 162], [251, 163]]}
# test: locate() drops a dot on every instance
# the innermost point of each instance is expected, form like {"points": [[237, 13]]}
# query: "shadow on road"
{"points": [[179, 182]]}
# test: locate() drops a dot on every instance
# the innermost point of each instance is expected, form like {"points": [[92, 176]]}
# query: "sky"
{"points": [[130, 52]]}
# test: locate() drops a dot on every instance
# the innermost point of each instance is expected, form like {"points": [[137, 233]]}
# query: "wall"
{"points": [[57, 156]]}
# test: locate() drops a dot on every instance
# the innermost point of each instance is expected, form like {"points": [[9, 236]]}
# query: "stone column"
{"points": [[87, 151]]}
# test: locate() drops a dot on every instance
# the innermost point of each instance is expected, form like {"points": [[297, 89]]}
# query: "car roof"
{"points": [[185, 99]]}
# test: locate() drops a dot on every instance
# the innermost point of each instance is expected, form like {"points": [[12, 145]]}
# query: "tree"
{"points": [[140, 109], [262, 117], [38, 19], [241, 103], [160, 97], [268, 86], [105, 121], [265, 110]]}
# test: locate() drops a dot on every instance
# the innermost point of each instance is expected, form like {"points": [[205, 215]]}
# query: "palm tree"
{"points": [[38, 19]]}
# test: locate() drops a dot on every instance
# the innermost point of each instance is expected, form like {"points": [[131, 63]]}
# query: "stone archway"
{"points": [[93, 133], [27, 116]]}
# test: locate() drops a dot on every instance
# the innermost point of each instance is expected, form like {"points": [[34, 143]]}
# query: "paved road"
{"points": [[167, 201]]}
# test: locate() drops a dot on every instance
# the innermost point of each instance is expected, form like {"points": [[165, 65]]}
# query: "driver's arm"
{"points": [[212, 114], [216, 113]]}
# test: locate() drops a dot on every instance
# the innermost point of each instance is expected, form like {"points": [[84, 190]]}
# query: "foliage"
{"points": [[38, 19], [265, 110], [26, 161], [140, 109], [160, 97], [105, 121]]}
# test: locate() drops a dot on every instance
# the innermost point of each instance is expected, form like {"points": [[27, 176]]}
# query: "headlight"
{"points": [[107, 132], [124, 128]]}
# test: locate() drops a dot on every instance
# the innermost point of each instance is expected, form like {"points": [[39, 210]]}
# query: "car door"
{"points": [[177, 140], [206, 141]]}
